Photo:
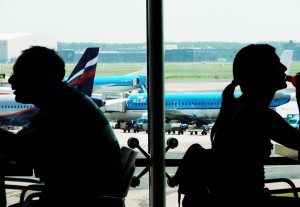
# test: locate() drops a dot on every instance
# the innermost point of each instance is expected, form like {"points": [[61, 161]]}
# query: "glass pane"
{"points": [[201, 40]]}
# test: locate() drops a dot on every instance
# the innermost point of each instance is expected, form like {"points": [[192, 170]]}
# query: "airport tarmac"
{"points": [[139, 196]]}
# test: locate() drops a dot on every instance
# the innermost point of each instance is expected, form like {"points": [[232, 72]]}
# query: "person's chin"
{"points": [[20, 100], [282, 86]]}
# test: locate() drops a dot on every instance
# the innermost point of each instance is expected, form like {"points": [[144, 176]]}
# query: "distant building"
{"points": [[171, 47], [69, 55], [123, 56], [199, 55], [11, 44]]}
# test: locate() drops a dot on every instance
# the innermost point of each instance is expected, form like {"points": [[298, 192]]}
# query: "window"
{"points": [[201, 39]]}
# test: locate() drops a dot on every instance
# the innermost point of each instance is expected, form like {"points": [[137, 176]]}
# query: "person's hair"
{"points": [[253, 62], [227, 107], [41, 62]]}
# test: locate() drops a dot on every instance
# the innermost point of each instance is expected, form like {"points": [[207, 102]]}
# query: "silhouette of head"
{"points": [[257, 67], [37, 71]]}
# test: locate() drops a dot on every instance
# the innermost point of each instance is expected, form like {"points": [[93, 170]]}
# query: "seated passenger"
{"points": [[69, 143], [240, 144]]}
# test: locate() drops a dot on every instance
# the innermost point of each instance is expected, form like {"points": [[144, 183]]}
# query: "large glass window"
{"points": [[201, 39]]}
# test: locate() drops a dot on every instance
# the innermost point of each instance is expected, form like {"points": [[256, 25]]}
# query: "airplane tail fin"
{"points": [[286, 58], [82, 77], [140, 72]]}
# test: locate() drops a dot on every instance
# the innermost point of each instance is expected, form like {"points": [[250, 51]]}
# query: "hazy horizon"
{"points": [[119, 21]]}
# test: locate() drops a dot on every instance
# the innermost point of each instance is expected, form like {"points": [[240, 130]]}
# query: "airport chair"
{"points": [[128, 156], [21, 178], [291, 189]]}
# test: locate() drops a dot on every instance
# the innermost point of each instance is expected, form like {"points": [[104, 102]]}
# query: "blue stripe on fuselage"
{"points": [[115, 80], [210, 100]]}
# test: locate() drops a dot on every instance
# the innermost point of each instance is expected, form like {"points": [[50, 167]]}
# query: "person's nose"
{"points": [[11, 81], [283, 67]]}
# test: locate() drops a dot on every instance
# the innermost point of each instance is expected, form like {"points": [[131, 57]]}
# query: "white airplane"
{"points": [[13, 113]]}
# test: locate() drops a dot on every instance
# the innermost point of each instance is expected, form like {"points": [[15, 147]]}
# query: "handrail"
{"points": [[134, 143], [280, 191], [142, 162], [173, 143], [145, 162]]}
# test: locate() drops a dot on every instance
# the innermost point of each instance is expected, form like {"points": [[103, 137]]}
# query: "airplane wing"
{"points": [[115, 101], [173, 113], [183, 116], [109, 101], [103, 86]]}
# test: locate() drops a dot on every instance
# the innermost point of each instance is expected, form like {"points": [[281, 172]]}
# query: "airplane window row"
{"points": [[194, 103], [108, 82], [16, 106], [182, 104], [103, 83]]}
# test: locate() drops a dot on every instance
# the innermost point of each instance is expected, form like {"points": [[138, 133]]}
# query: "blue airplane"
{"points": [[136, 81], [187, 107], [13, 113]]}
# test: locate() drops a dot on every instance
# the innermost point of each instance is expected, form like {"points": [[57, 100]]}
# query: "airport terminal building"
{"points": [[171, 54], [11, 44]]}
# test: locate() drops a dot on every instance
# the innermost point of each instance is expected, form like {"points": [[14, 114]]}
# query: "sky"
{"points": [[124, 21]]}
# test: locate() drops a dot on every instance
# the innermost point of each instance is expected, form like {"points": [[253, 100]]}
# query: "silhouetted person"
{"points": [[69, 143], [241, 144]]}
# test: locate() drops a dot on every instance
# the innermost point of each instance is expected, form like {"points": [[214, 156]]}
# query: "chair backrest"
{"points": [[129, 157]]}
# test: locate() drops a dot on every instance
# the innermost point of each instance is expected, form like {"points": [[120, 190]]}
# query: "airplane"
{"points": [[187, 107], [17, 114], [136, 81], [133, 82]]}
